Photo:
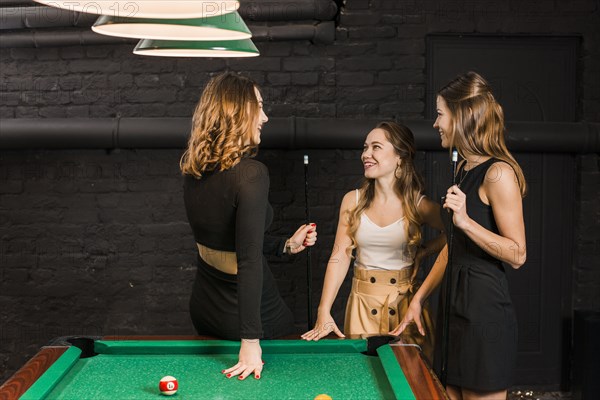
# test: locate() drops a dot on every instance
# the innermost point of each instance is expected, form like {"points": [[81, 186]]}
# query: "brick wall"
{"points": [[96, 242]]}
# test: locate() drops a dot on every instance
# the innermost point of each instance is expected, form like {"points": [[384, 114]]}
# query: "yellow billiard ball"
{"points": [[323, 397]]}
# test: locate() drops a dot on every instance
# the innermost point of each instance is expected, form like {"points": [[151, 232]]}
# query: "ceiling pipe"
{"points": [[43, 17], [27, 24], [323, 32], [13, 3], [38, 16], [279, 133]]}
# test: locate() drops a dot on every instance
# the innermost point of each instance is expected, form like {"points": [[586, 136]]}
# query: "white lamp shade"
{"points": [[148, 8], [223, 27]]}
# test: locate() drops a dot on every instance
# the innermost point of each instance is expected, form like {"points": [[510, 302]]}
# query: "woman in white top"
{"points": [[382, 221]]}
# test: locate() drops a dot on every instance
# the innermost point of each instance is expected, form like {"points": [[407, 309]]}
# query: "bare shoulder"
{"points": [[348, 204], [500, 173], [429, 211], [427, 206], [501, 182], [349, 201], [426, 202]]}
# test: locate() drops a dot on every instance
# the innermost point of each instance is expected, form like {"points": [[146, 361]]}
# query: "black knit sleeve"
{"points": [[252, 198], [274, 245]]}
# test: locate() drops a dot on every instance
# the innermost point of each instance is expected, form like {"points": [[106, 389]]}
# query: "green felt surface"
{"points": [[293, 370]]}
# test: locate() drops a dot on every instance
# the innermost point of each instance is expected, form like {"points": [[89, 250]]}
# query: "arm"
{"points": [[274, 245], [430, 215], [433, 280], [337, 268], [305, 236], [251, 212], [249, 237], [500, 188], [339, 261]]}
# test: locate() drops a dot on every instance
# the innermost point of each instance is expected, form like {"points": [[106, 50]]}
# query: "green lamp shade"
{"points": [[148, 8], [223, 27], [204, 48]]}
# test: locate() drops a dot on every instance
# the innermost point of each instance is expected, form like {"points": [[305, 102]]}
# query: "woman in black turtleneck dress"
{"points": [[226, 192]]}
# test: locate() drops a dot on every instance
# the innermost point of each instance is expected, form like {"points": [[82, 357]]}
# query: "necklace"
{"points": [[462, 177], [463, 174]]}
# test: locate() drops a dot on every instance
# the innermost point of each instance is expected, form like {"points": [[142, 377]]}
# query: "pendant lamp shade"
{"points": [[186, 48], [148, 8], [223, 27]]}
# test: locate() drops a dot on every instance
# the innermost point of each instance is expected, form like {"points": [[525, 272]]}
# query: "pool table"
{"points": [[131, 367]]}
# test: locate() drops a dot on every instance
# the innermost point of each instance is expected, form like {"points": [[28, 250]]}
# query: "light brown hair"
{"points": [[222, 126], [478, 121]]}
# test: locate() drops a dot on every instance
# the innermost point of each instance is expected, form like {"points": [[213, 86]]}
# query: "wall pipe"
{"points": [[288, 10], [279, 133], [38, 38], [321, 32]]}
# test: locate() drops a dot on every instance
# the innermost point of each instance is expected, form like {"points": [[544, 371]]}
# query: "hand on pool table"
{"points": [[250, 361], [325, 324], [413, 314]]}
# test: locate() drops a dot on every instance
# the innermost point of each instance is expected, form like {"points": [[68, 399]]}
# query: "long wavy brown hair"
{"points": [[478, 121], [223, 125], [409, 186]]}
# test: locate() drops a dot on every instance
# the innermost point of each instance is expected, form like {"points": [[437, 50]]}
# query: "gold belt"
{"points": [[224, 261]]}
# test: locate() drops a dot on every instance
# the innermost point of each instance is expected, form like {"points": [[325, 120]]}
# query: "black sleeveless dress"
{"points": [[482, 345]]}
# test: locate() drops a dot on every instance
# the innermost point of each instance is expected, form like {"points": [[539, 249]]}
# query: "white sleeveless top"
{"points": [[383, 247]]}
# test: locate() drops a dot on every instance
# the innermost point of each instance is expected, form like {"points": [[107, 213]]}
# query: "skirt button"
{"points": [[374, 311], [393, 281], [392, 312], [373, 280]]}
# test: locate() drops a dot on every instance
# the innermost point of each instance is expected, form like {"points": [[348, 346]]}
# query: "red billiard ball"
{"points": [[168, 385]]}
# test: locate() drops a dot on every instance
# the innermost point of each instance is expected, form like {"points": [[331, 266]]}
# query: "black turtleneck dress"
{"points": [[229, 211]]}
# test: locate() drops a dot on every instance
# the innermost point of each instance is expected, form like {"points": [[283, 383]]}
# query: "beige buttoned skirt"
{"points": [[377, 303]]}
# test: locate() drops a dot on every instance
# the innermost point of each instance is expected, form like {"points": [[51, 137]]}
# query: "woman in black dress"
{"points": [[226, 192], [487, 210]]}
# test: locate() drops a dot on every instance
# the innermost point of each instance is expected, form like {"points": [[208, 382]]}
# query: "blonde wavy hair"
{"points": [[408, 185], [478, 121], [223, 125]]}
